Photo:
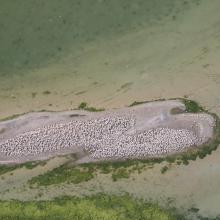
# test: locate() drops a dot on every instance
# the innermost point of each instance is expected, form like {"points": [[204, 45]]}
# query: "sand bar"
{"points": [[142, 131]]}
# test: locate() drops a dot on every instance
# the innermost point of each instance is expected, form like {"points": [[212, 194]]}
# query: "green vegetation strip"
{"points": [[69, 173], [29, 165], [84, 106], [191, 105], [97, 207], [62, 174]]}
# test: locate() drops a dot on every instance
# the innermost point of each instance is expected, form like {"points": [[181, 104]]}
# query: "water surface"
{"points": [[55, 54], [109, 53]]}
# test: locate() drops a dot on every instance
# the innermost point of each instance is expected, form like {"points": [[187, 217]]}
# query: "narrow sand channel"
{"points": [[146, 130]]}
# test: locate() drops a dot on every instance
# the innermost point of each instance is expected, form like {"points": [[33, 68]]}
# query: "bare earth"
{"points": [[146, 130]]}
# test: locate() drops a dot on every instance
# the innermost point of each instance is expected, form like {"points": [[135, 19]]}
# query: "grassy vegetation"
{"points": [[120, 173], [97, 207], [164, 169], [29, 165], [120, 169], [5, 169], [63, 174], [84, 106], [70, 173], [192, 106]]}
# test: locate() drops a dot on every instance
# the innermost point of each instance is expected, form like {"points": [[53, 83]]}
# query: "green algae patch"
{"points": [[97, 207]]}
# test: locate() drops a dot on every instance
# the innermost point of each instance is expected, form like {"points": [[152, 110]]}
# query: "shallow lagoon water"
{"points": [[154, 49], [54, 55]]}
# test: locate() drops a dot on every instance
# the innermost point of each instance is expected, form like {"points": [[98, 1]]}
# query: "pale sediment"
{"points": [[147, 130]]}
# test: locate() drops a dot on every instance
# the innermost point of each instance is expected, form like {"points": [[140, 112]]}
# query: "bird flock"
{"points": [[106, 137]]}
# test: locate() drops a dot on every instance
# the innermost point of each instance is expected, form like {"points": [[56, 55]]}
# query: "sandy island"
{"points": [[142, 131]]}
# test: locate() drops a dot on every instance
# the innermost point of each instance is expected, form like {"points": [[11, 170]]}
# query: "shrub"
{"points": [[82, 105], [164, 169], [192, 106]]}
